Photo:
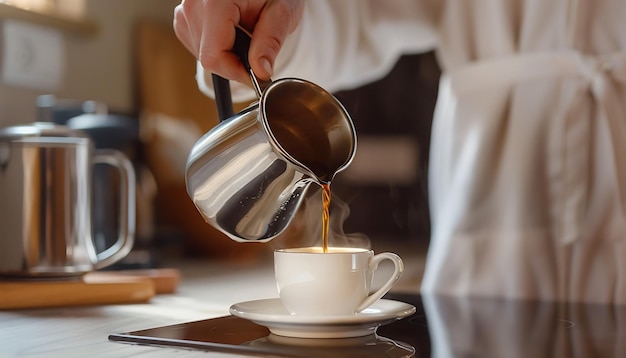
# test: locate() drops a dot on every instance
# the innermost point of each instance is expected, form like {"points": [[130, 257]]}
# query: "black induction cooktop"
{"points": [[441, 327]]}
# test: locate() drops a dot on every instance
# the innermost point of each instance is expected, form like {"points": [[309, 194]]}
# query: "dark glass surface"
{"points": [[441, 327]]}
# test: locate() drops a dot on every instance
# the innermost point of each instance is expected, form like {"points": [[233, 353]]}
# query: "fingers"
{"points": [[217, 39], [277, 20], [182, 30], [207, 29]]}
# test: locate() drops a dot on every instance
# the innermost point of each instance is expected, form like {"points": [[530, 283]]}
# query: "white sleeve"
{"points": [[343, 44]]}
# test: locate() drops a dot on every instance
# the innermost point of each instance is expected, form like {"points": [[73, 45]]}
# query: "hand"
{"points": [[207, 29]]}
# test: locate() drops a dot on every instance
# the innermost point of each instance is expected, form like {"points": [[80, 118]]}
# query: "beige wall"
{"points": [[98, 67]]}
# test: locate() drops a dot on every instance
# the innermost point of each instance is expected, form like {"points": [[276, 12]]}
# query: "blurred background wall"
{"points": [[97, 66]]}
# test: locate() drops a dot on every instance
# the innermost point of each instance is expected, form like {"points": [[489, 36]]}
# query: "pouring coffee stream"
{"points": [[248, 175]]}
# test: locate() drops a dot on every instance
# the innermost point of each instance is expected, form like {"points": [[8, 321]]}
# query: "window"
{"points": [[68, 15], [68, 8]]}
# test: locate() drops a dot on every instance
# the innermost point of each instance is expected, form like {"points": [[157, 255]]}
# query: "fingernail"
{"points": [[265, 63]]}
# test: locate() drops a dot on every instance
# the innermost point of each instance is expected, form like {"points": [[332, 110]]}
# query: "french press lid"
{"points": [[39, 129]]}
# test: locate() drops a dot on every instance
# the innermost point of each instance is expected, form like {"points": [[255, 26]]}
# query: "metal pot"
{"points": [[46, 211], [248, 175]]}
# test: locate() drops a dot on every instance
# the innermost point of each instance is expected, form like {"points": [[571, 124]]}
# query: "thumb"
{"points": [[264, 48]]}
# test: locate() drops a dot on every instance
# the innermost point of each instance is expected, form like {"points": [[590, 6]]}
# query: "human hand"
{"points": [[207, 29]]}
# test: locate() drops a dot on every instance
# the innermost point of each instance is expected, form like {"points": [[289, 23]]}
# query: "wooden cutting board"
{"points": [[165, 280], [96, 288], [36, 294]]}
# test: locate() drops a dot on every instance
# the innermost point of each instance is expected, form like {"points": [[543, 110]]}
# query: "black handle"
{"points": [[223, 99], [221, 86], [242, 46]]}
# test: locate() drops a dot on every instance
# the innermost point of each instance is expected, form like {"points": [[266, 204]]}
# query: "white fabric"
{"points": [[527, 198], [528, 151], [341, 45]]}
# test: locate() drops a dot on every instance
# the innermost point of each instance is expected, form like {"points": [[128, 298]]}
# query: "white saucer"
{"points": [[272, 314]]}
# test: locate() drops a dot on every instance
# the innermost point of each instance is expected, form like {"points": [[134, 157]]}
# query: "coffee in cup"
{"points": [[312, 282]]}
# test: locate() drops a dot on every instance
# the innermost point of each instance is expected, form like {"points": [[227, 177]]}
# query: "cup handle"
{"points": [[126, 237], [397, 272]]}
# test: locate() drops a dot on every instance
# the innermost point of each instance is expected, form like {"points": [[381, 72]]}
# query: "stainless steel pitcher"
{"points": [[46, 206], [249, 174]]}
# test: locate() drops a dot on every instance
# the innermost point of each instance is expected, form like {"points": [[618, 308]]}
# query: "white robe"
{"points": [[528, 148]]}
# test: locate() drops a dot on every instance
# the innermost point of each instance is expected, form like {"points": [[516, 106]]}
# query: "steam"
{"points": [[306, 228]]}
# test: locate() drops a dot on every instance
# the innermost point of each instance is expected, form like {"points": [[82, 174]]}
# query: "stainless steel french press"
{"points": [[46, 202]]}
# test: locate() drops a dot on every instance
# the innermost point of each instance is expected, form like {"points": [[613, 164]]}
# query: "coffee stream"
{"points": [[325, 214]]}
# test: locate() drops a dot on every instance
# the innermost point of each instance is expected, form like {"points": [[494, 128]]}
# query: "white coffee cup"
{"points": [[314, 283]]}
